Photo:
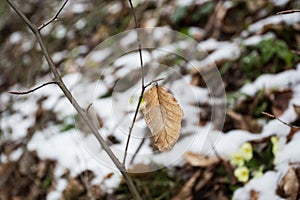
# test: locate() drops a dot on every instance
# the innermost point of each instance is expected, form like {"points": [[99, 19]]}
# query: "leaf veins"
{"points": [[163, 116]]}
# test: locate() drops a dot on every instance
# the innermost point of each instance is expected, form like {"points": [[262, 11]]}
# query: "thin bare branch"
{"points": [[139, 42], [132, 124], [287, 12], [137, 150], [143, 83], [54, 17], [34, 89], [81, 112], [274, 117], [89, 106]]}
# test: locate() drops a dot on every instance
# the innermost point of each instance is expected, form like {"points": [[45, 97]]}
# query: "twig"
{"points": [[34, 89], [287, 12], [89, 106], [143, 83], [81, 112], [54, 17], [155, 81], [274, 117], [137, 150], [132, 123], [139, 42]]}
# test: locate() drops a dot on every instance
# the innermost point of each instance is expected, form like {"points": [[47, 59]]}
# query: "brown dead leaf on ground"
{"points": [[163, 116], [244, 122], [80, 187], [280, 100], [297, 110], [292, 133], [30, 169], [73, 190], [186, 191], [197, 160], [296, 123], [254, 195], [289, 185], [206, 176]]}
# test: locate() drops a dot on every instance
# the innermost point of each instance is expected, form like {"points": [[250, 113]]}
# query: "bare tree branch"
{"points": [[34, 89], [89, 106], [137, 150], [139, 42], [54, 17], [274, 117], [287, 12], [143, 83], [81, 112]]}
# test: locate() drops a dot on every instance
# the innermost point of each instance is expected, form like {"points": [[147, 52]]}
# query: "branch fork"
{"points": [[58, 80]]}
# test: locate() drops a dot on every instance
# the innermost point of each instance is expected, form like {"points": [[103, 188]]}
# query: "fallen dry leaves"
{"points": [[197, 160], [289, 185]]}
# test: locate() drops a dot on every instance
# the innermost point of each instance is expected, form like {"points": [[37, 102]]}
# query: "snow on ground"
{"points": [[288, 19], [265, 185], [77, 151]]}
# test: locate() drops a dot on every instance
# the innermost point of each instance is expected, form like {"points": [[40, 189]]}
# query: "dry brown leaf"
{"points": [[163, 116], [297, 110], [197, 160], [244, 122], [187, 189], [254, 195], [280, 100], [73, 190], [289, 185]]}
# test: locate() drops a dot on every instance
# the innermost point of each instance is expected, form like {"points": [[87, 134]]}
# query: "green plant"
{"points": [[268, 56], [159, 185], [203, 11], [68, 123]]}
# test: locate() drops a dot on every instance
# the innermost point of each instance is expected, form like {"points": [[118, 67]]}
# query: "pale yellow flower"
{"points": [[246, 150], [242, 174], [236, 159]]}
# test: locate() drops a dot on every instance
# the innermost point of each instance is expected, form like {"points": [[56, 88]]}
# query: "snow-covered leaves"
{"points": [[163, 116]]}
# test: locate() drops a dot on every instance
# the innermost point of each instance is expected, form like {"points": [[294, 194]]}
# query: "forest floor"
{"points": [[240, 55]]}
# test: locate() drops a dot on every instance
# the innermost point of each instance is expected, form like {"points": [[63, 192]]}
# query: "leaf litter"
{"points": [[288, 79]]}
